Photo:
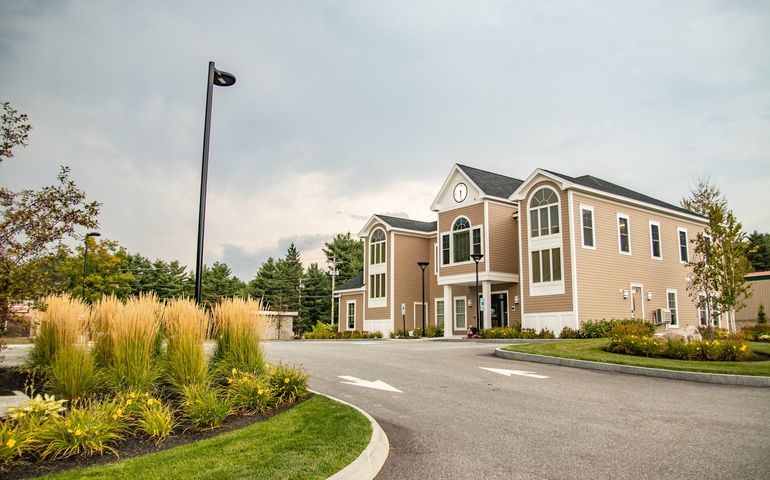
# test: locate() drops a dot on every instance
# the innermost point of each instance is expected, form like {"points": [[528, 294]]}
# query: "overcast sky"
{"points": [[343, 109]]}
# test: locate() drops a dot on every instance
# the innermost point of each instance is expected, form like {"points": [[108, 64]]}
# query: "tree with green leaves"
{"points": [[15, 131], [349, 255], [316, 297], [218, 282], [106, 273], [166, 279], [759, 251], [718, 264]]}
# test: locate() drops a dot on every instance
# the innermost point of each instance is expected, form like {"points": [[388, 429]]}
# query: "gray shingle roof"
{"points": [[355, 282], [609, 187], [492, 184], [408, 224]]}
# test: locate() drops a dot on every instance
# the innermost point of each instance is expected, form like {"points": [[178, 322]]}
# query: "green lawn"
{"points": [[592, 350], [315, 439]]}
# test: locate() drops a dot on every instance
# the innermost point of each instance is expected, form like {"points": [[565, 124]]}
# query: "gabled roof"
{"points": [[492, 184], [603, 185], [397, 223], [352, 284]]}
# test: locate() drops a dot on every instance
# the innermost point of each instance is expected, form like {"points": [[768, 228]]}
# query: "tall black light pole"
{"points": [[422, 265], [477, 258], [221, 79], [85, 261]]}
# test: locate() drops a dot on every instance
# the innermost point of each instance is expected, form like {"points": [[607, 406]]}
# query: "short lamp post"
{"points": [[220, 79], [422, 266], [85, 261], [477, 258]]}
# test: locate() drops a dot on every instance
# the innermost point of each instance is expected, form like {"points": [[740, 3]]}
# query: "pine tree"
{"points": [[349, 253], [316, 297], [761, 314]]}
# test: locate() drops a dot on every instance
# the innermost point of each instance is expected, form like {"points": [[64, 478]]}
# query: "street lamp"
{"points": [[477, 258], [85, 261], [422, 265], [221, 79]]}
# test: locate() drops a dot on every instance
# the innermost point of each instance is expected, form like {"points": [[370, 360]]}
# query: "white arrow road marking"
{"points": [[377, 384], [508, 373]]}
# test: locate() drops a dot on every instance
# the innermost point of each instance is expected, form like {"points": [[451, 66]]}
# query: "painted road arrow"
{"points": [[377, 384], [518, 373]]}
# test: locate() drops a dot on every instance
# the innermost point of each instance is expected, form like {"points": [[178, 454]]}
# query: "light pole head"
{"points": [[423, 265], [223, 79], [477, 257], [93, 234]]}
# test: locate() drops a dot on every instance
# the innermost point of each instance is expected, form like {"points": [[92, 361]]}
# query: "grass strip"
{"points": [[593, 350], [313, 440]]}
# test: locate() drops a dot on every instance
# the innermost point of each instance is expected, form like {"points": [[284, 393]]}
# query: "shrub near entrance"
{"points": [[730, 350]]}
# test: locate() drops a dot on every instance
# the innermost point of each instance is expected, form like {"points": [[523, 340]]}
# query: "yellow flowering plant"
{"points": [[288, 383]]}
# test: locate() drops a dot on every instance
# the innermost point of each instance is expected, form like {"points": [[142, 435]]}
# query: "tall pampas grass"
{"points": [[187, 327], [103, 315], [60, 325], [135, 340], [239, 327]]}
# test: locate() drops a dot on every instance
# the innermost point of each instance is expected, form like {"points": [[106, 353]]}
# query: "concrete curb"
{"points": [[717, 378], [369, 463]]}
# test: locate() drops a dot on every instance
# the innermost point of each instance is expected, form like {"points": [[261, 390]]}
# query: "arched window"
{"points": [[544, 213], [377, 247], [461, 238]]}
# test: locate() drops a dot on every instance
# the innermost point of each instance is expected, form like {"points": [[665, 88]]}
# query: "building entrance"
{"points": [[499, 309]]}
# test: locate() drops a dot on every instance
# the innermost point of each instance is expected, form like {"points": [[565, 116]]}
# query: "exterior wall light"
{"points": [[649, 296], [625, 294]]}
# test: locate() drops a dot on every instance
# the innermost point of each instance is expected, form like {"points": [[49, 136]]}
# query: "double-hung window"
{"points": [[460, 314], [439, 312], [624, 234], [655, 250], [683, 252], [672, 306], [351, 315], [587, 226]]}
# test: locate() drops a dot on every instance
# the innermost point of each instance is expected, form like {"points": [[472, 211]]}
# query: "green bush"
{"points": [[37, 409], [16, 440], [640, 328], [635, 345], [515, 332], [431, 331], [403, 334], [205, 407], [755, 332], [87, 429], [325, 331], [596, 329], [287, 383], [568, 332], [761, 314], [250, 393], [730, 350], [156, 419]]}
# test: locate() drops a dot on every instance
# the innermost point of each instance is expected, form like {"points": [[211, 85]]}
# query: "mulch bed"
{"points": [[131, 446], [12, 379]]}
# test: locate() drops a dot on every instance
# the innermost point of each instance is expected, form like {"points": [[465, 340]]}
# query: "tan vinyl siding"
{"points": [[342, 310], [604, 273], [409, 251], [475, 214], [379, 313], [760, 296], [547, 303], [503, 250]]}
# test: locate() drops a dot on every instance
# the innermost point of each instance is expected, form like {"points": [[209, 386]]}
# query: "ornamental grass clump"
{"points": [[103, 314], [135, 334], [60, 325], [73, 374], [239, 325], [187, 327]]}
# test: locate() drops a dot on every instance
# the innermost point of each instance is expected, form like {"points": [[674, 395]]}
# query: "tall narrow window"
{"points": [[587, 222], [435, 258], [655, 240], [377, 285], [683, 253], [460, 321], [672, 306], [461, 239], [546, 265], [352, 315], [624, 234], [477, 240], [544, 213], [445, 249], [377, 247], [440, 312]]}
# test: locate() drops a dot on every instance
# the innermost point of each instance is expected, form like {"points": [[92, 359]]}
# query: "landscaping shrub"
{"points": [[636, 345], [761, 314], [16, 440], [431, 331], [250, 393], [186, 328], [321, 330], [403, 334], [103, 314], [756, 332], [287, 383], [640, 328], [135, 334], [204, 406], [156, 419], [596, 329], [88, 429], [514, 332], [730, 350], [60, 326], [36, 410], [568, 332], [239, 327], [73, 374]]}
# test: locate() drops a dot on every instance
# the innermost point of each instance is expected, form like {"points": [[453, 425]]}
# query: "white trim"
{"points": [[435, 309], [641, 296], [548, 208], [628, 227], [350, 291], [573, 253], [582, 227], [436, 259], [679, 244], [676, 307], [392, 275], [555, 321], [364, 232], [347, 315], [554, 287], [455, 168], [454, 312], [660, 241], [484, 237], [521, 265], [470, 278], [507, 306], [369, 245], [470, 230]]}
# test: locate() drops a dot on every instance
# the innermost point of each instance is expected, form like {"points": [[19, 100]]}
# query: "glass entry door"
{"points": [[499, 309]]}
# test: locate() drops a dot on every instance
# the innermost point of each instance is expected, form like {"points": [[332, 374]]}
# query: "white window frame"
{"points": [[660, 242], [588, 208], [436, 258], [679, 231], [627, 218], [384, 247], [450, 235], [529, 214], [455, 311], [436, 301], [347, 314], [553, 287], [675, 309], [374, 298]]}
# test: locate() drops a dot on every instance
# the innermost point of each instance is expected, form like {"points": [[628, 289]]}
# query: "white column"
{"points": [[448, 311], [486, 292]]}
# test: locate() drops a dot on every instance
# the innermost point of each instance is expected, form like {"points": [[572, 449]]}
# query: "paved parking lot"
{"points": [[454, 411]]}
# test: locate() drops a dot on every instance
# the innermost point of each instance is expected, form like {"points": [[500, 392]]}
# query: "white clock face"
{"points": [[461, 191]]}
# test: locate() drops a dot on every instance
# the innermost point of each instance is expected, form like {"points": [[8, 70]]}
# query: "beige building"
{"points": [[759, 283], [554, 251]]}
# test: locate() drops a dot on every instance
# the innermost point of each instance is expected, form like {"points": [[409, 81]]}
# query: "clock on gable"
{"points": [[460, 192]]}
